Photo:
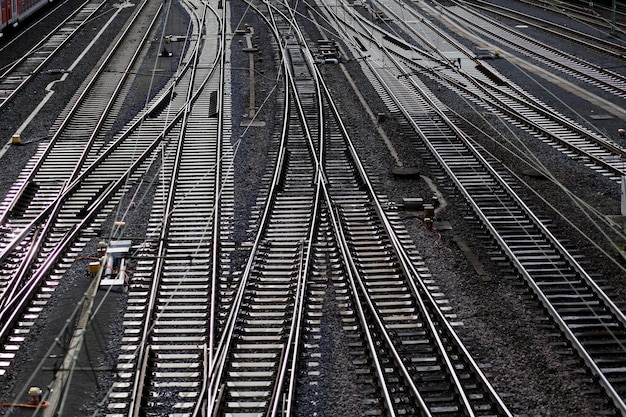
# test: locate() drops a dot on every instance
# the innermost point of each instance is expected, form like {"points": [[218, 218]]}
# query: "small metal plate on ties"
{"points": [[248, 384], [251, 374], [533, 173], [178, 365], [604, 116], [176, 374], [244, 394], [406, 172], [252, 364]]}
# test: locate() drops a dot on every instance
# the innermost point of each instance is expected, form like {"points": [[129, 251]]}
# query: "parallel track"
{"points": [[200, 339], [602, 78], [171, 316], [483, 85], [418, 377], [43, 220], [611, 47], [586, 316], [17, 74]]}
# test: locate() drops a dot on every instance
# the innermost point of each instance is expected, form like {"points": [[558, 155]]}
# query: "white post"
{"points": [[623, 195]]}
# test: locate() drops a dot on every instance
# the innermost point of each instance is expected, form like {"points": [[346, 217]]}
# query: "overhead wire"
{"points": [[241, 138]]}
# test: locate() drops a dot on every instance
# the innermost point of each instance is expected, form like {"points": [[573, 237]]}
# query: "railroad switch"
{"points": [[115, 272], [328, 51]]}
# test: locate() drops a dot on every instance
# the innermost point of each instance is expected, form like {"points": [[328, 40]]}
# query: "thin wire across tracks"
{"points": [[319, 175], [15, 75], [42, 218]]}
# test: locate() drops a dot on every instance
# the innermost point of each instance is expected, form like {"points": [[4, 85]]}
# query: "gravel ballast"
{"points": [[504, 326]]}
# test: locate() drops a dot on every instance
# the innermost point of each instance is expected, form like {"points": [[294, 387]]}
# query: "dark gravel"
{"points": [[504, 326]]}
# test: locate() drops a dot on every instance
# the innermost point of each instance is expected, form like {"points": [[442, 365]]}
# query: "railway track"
{"points": [[436, 53], [600, 43], [17, 74], [583, 312], [43, 218], [599, 16], [602, 78], [257, 350], [82, 123], [413, 369], [202, 339], [172, 311]]}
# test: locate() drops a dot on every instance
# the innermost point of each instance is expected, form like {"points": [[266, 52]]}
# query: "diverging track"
{"points": [[418, 366], [586, 316]]}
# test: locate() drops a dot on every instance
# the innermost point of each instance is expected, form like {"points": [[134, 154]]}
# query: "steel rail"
{"points": [[407, 376], [288, 355], [141, 355], [525, 98], [147, 325], [95, 206], [389, 230], [39, 63], [589, 16], [460, 134], [293, 342], [40, 19], [351, 271], [223, 346], [221, 350], [101, 159], [10, 310], [76, 107], [410, 271], [29, 258], [116, 90], [582, 38], [496, 98], [559, 321], [612, 82], [382, 328], [619, 402], [50, 212], [217, 204], [358, 287]]}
